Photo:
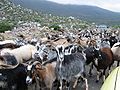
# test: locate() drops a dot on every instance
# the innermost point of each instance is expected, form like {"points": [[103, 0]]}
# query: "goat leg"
{"points": [[118, 63], [75, 84], [86, 82], [60, 85], [97, 76], [109, 70], [110, 67], [68, 85], [90, 71], [104, 75]]}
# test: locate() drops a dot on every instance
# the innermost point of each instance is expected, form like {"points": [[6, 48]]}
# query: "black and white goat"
{"points": [[73, 48], [44, 52], [69, 67]]}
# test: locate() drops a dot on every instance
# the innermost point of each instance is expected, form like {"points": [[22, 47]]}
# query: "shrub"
{"points": [[56, 27], [5, 26], [116, 26]]}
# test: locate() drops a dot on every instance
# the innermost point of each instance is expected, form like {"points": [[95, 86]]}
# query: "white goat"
{"points": [[22, 54], [116, 52]]}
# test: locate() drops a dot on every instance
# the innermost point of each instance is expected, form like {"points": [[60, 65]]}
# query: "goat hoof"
{"points": [[97, 81]]}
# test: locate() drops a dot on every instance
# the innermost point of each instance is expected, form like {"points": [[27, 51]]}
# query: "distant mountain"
{"points": [[83, 12]]}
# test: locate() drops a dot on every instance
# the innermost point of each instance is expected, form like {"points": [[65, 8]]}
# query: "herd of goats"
{"points": [[56, 60]]}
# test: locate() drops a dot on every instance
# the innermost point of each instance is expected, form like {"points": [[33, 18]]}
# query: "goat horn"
{"points": [[5, 66], [36, 62]]}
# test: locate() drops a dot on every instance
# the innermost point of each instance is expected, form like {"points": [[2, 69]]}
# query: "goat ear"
{"points": [[37, 66]]}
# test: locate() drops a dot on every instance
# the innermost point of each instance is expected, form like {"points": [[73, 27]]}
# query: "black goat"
{"points": [[13, 79], [112, 40]]}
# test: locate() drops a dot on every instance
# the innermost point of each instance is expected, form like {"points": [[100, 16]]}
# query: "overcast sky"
{"points": [[113, 5]]}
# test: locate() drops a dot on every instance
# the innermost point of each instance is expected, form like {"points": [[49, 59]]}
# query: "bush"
{"points": [[116, 26], [56, 27], [5, 26]]}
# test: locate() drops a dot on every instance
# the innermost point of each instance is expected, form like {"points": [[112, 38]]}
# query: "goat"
{"points": [[69, 66], [46, 73], [82, 41], [58, 41], [22, 54], [116, 52], [112, 40], [73, 48], [13, 79], [101, 59], [44, 52], [20, 42]]}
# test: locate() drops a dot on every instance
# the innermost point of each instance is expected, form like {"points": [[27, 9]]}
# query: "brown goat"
{"points": [[45, 73]]}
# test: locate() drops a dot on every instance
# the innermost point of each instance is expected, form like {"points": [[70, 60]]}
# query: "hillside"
{"points": [[15, 14], [83, 12], [16, 20]]}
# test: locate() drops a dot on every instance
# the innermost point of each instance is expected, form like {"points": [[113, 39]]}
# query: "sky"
{"points": [[113, 5]]}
